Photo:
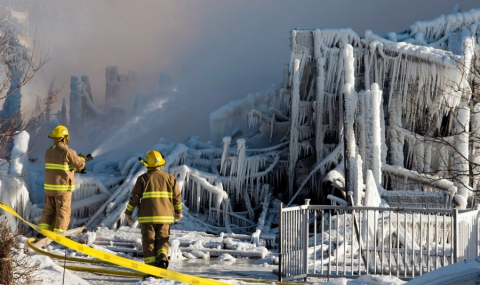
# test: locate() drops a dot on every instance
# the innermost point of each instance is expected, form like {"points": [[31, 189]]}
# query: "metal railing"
{"points": [[335, 241]]}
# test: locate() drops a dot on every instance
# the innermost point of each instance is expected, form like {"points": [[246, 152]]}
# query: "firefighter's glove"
{"points": [[177, 217], [82, 155], [129, 219]]}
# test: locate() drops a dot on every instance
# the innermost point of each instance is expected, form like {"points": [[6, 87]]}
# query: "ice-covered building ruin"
{"points": [[401, 106]]}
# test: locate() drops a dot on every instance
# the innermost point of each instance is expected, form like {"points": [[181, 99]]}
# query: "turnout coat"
{"points": [[61, 162], [157, 196]]}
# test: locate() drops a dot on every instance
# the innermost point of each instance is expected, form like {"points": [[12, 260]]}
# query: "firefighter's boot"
{"points": [[162, 264]]}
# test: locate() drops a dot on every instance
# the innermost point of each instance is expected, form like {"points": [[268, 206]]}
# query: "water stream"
{"points": [[136, 126]]}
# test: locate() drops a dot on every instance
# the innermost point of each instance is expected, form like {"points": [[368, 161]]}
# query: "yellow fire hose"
{"points": [[114, 259]]}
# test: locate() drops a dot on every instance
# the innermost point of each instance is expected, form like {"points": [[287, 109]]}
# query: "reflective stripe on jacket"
{"points": [[160, 198], [60, 165]]}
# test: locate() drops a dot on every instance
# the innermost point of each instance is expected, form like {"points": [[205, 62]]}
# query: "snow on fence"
{"points": [[440, 192], [325, 241]]}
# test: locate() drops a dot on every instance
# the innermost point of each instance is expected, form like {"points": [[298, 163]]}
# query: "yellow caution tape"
{"points": [[114, 259]]}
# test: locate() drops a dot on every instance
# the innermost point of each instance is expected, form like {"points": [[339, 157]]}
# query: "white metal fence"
{"points": [[336, 241]]}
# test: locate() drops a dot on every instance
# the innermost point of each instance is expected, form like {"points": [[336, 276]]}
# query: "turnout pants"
{"points": [[155, 242], [56, 212]]}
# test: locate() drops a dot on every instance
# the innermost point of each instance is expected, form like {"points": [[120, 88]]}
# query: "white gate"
{"points": [[336, 241]]}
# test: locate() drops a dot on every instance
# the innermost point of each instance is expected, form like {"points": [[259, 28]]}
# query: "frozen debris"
{"points": [[197, 254], [227, 257], [174, 251]]}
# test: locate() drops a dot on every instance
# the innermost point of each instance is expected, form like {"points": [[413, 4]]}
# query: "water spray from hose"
{"points": [[137, 126]]}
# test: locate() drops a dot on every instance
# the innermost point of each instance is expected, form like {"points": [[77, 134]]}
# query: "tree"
{"points": [[20, 65], [15, 267], [456, 130]]}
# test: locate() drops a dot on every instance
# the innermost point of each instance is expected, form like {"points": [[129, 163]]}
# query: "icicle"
{"points": [[368, 130], [225, 147], [377, 161], [197, 198], [319, 107], [358, 193], [360, 123], [350, 102], [293, 156], [461, 165], [241, 165]]}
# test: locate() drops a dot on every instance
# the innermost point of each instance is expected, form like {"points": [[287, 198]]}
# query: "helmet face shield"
{"points": [[154, 158]]}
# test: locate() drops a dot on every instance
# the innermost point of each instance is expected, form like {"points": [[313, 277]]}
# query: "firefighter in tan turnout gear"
{"points": [[158, 198], [61, 163]]}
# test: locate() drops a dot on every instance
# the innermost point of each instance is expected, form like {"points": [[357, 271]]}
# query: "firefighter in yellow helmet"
{"points": [[160, 207], [61, 163]]}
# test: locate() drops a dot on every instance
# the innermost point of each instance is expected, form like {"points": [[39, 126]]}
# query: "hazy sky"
{"points": [[215, 50]]}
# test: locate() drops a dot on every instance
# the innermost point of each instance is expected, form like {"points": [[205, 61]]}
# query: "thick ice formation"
{"points": [[416, 80]]}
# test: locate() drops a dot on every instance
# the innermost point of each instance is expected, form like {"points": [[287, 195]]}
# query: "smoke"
{"points": [[214, 51]]}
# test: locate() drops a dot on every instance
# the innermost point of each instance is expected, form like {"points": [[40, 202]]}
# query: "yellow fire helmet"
{"points": [[59, 132], [154, 158]]}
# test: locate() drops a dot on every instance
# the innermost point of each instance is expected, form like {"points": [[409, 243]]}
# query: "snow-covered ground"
{"points": [[224, 268]]}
